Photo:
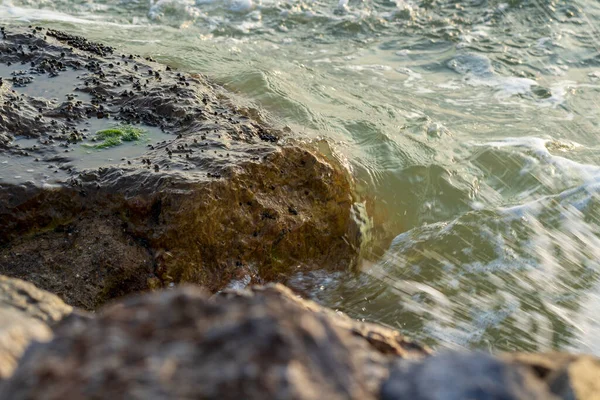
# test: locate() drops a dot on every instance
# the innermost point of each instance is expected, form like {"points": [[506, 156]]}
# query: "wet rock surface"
{"points": [[260, 344], [207, 195], [25, 315], [84, 263]]}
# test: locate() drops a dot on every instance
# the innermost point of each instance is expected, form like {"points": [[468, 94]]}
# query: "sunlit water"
{"points": [[471, 128]]}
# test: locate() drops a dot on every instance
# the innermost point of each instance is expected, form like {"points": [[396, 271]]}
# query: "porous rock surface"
{"points": [[25, 313], [181, 344], [218, 197]]}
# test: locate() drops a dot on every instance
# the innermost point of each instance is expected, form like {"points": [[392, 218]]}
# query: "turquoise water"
{"points": [[470, 128]]}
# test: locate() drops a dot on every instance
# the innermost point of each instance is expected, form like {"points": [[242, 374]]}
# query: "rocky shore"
{"points": [[140, 208]]}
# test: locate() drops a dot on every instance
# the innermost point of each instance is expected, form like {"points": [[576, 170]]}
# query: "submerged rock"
{"points": [[203, 192], [259, 344], [25, 312]]}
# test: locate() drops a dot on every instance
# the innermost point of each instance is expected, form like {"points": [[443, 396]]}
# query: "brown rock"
{"points": [[215, 198], [85, 264], [25, 297], [569, 376], [17, 330], [180, 344], [383, 340], [25, 312]]}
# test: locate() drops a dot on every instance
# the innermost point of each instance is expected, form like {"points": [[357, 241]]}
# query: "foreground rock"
{"points": [[179, 344], [266, 343], [517, 376], [457, 376], [25, 312], [568, 376], [208, 195]]}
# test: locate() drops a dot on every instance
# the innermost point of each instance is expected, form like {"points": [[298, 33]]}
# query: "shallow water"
{"points": [[470, 126], [60, 160]]}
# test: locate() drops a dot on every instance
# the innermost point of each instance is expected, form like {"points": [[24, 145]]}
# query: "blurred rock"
{"points": [[461, 376], [384, 340], [263, 342], [17, 330], [33, 302], [179, 344], [25, 312], [568, 376]]}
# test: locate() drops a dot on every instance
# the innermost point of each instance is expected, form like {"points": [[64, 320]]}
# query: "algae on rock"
{"points": [[117, 135]]}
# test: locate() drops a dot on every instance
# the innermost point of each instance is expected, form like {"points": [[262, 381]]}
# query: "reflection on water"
{"points": [[470, 127]]}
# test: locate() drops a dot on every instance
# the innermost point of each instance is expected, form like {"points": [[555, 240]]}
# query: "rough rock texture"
{"points": [[214, 195], [179, 344], [25, 312], [84, 263]]}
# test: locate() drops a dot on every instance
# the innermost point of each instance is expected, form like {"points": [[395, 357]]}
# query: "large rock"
{"points": [[179, 344], [25, 312], [213, 196]]}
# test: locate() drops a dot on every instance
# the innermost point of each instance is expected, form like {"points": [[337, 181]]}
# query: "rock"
{"points": [[462, 375], [17, 330], [25, 312], [210, 194], [383, 340], [259, 344], [569, 376], [31, 301], [85, 263]]}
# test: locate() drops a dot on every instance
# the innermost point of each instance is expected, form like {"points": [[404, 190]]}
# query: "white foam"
{"points": [[478, 71], [8, 12]]}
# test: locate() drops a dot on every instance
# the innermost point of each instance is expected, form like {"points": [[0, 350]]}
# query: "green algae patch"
{"points": [[117, 135]]}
